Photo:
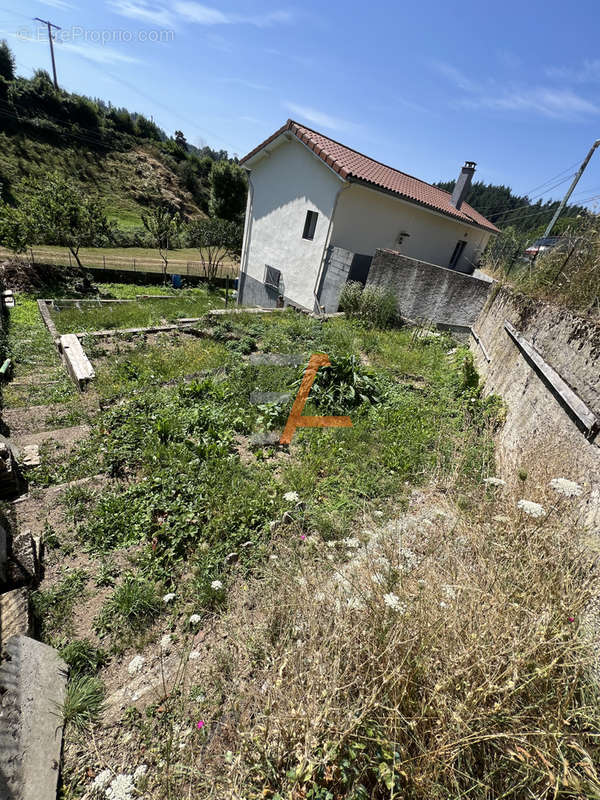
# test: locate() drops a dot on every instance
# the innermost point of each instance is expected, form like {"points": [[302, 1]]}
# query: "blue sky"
{"points": [[422, 86]]}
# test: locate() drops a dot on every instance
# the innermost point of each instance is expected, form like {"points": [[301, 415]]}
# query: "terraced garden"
{"points": [[185, 547]]}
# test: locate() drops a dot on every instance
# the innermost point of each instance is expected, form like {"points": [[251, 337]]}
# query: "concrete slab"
{"points": [[30, 456], [33, 678], [76, 361]]}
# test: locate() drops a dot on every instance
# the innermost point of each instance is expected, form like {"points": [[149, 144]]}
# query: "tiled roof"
{"points": [[351, 165]]}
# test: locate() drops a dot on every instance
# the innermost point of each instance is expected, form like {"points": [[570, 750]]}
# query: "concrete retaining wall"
{"points": [[427, 292], [539, 435], [336, 270]]}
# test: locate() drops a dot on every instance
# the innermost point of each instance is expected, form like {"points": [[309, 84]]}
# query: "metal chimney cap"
{"points": [[470, 164]]}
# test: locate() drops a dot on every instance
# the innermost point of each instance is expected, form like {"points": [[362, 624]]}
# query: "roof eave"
{"points": [[438, 211]]}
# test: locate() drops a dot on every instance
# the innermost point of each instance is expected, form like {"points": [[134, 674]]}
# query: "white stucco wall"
{"points": [[366, 219], [286, 184]]}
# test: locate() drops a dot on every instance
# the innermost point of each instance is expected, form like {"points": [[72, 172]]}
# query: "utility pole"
{"points": [[51, 40], [571, 187]]}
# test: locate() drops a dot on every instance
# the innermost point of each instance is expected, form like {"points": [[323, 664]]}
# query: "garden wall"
{"points": [[427, 292], [540, 436]]}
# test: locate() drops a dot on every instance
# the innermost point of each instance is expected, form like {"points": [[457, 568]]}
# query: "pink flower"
{"points": [[571, 619], [302, 537], [200, 724]]}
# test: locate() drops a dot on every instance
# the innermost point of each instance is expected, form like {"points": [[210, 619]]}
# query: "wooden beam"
{"points": [[45, 314], [580, 413]]}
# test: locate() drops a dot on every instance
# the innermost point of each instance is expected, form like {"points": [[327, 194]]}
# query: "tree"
{"points": [[7, 62], [162, 223], [217, 240], [58, 212], [16, 229], [228, 190], [181, 141]]}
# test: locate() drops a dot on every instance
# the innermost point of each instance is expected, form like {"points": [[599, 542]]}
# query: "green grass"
{"points": [[38, 373], [83, 702], [54, 606], [143, 314], [132, 607]]}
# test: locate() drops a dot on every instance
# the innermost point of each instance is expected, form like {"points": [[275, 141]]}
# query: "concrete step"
{"points": [[15, 617], [33, 678]]}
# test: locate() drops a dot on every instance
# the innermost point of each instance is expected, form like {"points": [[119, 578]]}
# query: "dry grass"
{"points": [[477, 685], [568, 276]]}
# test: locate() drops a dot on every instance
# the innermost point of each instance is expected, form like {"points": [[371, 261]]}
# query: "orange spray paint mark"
{"points": [[295, 419]]}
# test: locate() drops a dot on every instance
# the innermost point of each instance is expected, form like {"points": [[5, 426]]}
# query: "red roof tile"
{"points": [[352, 165]]}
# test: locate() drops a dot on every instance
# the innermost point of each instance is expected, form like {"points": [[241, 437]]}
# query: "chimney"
{"points": [[463, 184]]}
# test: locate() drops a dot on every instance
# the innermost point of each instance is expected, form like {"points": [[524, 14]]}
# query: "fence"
{"points": [[142, 264]]}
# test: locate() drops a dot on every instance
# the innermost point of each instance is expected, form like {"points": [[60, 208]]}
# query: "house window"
{"points": [[310, 223], [458, 251], [272, 277]]}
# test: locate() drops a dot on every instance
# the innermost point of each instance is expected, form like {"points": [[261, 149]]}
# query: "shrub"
{"points": [[373, 305], [343, 386]]}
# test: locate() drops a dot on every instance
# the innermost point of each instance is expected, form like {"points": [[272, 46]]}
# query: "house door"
{"points": [[359, 268]]}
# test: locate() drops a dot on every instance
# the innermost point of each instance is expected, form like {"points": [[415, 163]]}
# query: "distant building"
{"points": [[317, 211]]}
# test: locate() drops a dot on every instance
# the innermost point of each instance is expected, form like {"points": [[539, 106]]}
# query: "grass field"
{"points": [[129, 259]]}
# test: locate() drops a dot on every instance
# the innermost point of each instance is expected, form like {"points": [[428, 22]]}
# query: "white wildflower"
{"points": [[291, 497], [353, 544], [393, 601], [195, 619], [494, 481], [355, 603], [443, 605], [102, 780], [378, 514], [273, 558], [378, 578], [421, 583], [121, 788], [501, 518], [448, 592], [216, 585], [166, 642], [531, 508], [140, 772], [194, 655], [566, 487], [136, 664], [168, 598]]}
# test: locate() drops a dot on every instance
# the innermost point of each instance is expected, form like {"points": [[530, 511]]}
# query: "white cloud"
{"points": [[99, 54], [259, 87], [557, 103], [206, 15], [588, 72], [318, 117], [62, 4], [143, 11], [547, 101]]}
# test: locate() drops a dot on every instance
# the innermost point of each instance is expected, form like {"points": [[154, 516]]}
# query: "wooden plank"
{"points": [[581, 414], [76, 361]]}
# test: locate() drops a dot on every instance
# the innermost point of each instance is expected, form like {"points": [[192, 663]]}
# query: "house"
{"points": [[317, 211]]}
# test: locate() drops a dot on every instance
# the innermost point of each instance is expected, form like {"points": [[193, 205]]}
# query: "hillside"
{"points": [[506, 209], [121, 156]]}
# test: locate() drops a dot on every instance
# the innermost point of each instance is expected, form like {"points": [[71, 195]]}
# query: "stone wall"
{"points": [[426, 292], [539, 436]]}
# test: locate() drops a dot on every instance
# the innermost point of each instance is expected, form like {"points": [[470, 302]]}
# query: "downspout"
{"points": [[326, 245], [246, 239]]}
